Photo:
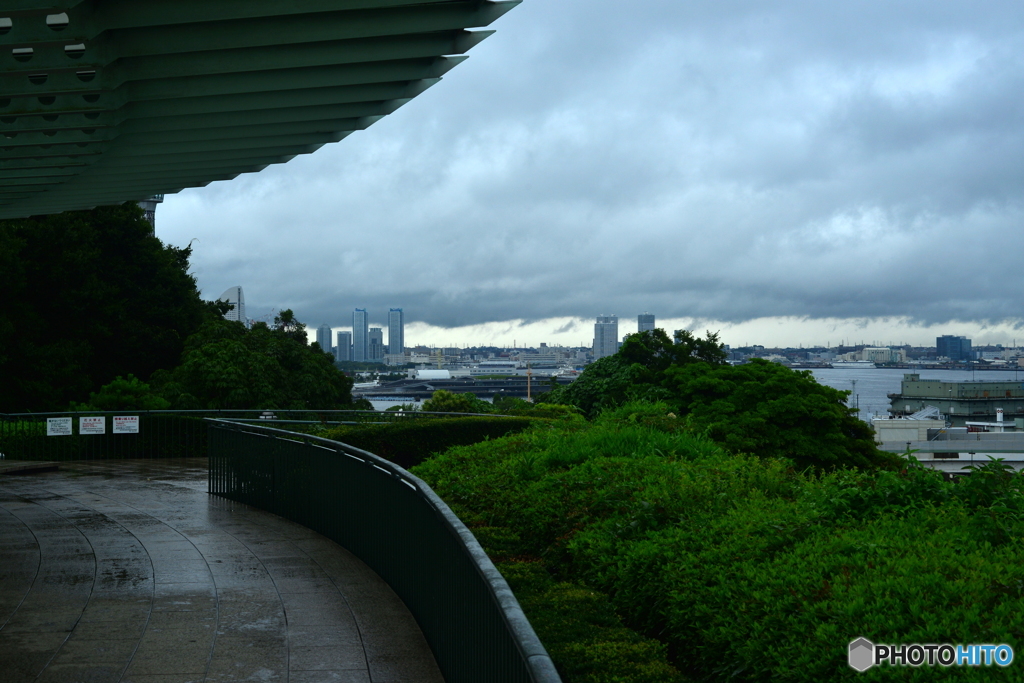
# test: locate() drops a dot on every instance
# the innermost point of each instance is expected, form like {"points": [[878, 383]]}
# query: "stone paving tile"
{"points": [[145, 578], [81, 673], [350, 676]]}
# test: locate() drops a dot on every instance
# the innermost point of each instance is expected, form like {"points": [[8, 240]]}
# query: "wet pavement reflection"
{"points": [[129, 571]]}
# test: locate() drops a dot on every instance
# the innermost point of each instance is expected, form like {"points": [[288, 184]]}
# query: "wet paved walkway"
{"points": [[129, 571]]}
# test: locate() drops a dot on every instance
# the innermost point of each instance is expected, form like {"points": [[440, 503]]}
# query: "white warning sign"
{"points": [[92, 425], [58, 426], [126, 424]]}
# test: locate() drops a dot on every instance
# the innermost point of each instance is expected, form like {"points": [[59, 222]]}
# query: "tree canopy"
{"points": [[89, 296], [761, 408], [225, 365], [636, 372]]}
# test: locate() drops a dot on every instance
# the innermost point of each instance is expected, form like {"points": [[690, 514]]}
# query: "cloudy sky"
{"points": [[784, 172]]}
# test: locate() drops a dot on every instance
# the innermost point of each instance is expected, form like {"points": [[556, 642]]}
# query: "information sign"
{"points": [[92, 425], [58, 426], [126, 424]]}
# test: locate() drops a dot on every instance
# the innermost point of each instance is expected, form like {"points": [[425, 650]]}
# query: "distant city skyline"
{"points": [[769, 332]]}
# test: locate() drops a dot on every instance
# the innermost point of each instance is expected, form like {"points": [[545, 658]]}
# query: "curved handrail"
{"points": [[538, 664]]}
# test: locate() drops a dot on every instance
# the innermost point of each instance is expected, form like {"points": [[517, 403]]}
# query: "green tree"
{"points": [[124, 394], [89, 296], [447, 402], [226, 365], [637, 371], [772, 411]]}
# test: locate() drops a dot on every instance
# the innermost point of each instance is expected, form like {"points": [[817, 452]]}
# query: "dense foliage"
{"points": [[88, 296], [761, 408], [411, 442], [746, 568], [124, 394], [225, 365]]}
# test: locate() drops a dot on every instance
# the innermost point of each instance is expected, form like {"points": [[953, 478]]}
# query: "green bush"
{"points": [[409, 443], [745, 568]]}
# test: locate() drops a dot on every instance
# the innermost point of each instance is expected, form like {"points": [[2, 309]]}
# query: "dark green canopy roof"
{"points": [[104, 101]]}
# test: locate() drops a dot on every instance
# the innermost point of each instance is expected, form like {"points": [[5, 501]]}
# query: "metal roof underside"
{"points": [[105, 101]]}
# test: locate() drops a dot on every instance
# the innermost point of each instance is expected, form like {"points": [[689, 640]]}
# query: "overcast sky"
{"points": [[786, 173]]}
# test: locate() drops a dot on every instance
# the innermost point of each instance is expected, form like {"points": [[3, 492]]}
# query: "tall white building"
{"points": [[606, 336], [343, 351], [645, 321], [234, 296], [396, 331], [360, 335], [323, 337]]}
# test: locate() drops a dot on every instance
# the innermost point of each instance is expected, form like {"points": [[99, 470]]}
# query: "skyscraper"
{"points": [[606, 336], [644, 321], [323, 337], [396, 331], [360, 335], [344, 348], [376, 337], [234, 296]]}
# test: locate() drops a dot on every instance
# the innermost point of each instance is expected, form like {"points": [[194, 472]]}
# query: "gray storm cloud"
{"points": [[717, 160]]}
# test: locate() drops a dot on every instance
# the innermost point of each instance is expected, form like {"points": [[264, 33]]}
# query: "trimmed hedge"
{"points": [[410, 443]]}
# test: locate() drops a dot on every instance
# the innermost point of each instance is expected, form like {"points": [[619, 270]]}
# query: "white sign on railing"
{"points": [[58, 426], [126, 424], [92, 425]]}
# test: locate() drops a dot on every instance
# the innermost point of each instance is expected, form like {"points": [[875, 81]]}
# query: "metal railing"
{"points": [[398, 526], [164, 433]]}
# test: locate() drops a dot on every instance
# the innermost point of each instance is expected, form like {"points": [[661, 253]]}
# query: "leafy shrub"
{"points": [[746, 568], [409, 443], [123, 394], [447, 402]]}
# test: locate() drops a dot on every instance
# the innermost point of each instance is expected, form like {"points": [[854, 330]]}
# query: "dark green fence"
{"points": [[162, 433], [394, 523]]}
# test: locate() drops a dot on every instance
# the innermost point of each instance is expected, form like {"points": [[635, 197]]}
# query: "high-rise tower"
{"points": [[606, 336], [323, 337], [360, 335], [396, 331], [234, 296], [343, 351], [644, 321], [376, 337]]}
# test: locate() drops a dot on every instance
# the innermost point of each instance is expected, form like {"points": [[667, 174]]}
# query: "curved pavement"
{"points": [[128, 571]]}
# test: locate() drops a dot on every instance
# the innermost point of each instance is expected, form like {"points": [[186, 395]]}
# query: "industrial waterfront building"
{"points": [[954, 348], [960, 402]]}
